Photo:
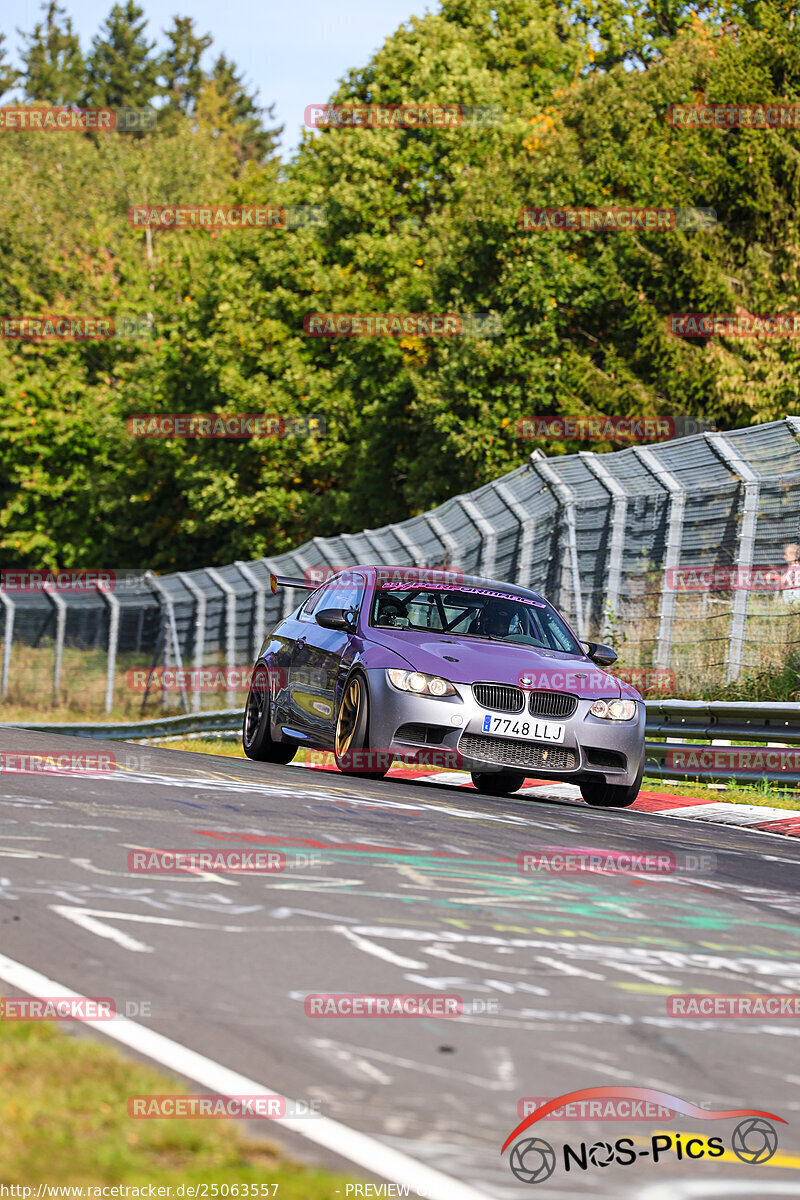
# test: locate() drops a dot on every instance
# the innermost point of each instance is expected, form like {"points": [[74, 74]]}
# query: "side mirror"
{"points": [[336, 618], [604, 656]]}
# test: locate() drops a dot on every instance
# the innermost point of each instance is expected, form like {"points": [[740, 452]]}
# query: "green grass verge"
{"points": [[64, 1106], [761, 792]]}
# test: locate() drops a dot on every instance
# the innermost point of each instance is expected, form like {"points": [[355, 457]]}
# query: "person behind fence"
{"points": [[790, 576]]}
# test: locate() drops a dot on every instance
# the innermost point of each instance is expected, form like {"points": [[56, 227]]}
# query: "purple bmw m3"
{"points": [[382, 663]]}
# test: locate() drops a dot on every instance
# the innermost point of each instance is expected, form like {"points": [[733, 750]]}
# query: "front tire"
{"points": [[609, 795], [351, 738], [256, 740], [498, 783]]}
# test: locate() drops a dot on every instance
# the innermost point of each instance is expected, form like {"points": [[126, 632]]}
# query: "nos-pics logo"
{"points": [[533, 1160]]}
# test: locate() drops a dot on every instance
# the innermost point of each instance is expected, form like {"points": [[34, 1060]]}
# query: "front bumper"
{"points": [[450, 730]]}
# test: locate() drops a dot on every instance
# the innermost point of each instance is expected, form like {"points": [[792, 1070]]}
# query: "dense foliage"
{"points": [[417, 221]]}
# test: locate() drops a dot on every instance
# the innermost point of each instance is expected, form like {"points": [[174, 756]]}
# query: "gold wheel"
{"points": [[349, 713]]}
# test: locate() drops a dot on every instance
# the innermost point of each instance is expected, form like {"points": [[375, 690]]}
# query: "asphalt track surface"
{"points": [[416, 889]]}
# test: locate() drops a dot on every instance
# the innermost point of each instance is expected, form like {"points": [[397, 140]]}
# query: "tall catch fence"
{"points": [[679, 554]]}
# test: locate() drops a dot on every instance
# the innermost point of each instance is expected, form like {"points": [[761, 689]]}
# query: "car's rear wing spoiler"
{"points": [[287, 581]]}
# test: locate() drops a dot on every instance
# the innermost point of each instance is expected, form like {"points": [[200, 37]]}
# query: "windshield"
{"points": [[472, 612]]}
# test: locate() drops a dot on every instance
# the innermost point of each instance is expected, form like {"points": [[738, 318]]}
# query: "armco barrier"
{"points": [[190, 723], [721, 722], [672, 721]]}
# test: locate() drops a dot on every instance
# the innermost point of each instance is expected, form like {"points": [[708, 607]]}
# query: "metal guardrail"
{"points": [[723, 721], [211, 722], [719, 721]]}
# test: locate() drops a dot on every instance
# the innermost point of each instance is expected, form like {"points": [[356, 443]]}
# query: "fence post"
{"points": [[168, 619], [566, 496], [320, 545], [619, 515], [487, 532], [8, 636], [527, 528], [199, 633], [347, 538], [113, 641], [60, 605], [288, 592], [410, 547], [259, 593], [746, 548], [447, 540], [677, 505], [230, 627], [306, 566]]}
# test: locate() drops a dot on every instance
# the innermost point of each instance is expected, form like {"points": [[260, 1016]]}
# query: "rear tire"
{"points": [[256, 740], [351, 738], [609, 795], [498, 783]]}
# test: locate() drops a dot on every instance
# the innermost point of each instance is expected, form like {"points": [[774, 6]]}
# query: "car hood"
{"points": [[477, 659]]}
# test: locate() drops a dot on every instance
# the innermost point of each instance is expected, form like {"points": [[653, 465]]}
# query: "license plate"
{"points": [[519, 727]]}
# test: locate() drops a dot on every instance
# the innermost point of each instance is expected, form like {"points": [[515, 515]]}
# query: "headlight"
{"points": [[614, 710], [421, 685]]}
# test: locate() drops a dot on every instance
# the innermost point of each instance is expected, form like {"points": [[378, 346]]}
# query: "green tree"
{"points": [[255, 141], [8, 75], [54, 65], [121, 68], [182, 76], [419, 220], [637, 33]]}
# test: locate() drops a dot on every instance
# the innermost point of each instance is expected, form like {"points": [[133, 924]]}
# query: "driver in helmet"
{"points": [[497, 620], [391, 611]]}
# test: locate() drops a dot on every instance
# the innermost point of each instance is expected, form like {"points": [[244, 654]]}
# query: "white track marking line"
{"points": [[80, 917], [568, 968], [84, 917], [379, 951], [359, 1148], [735, 814]]}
